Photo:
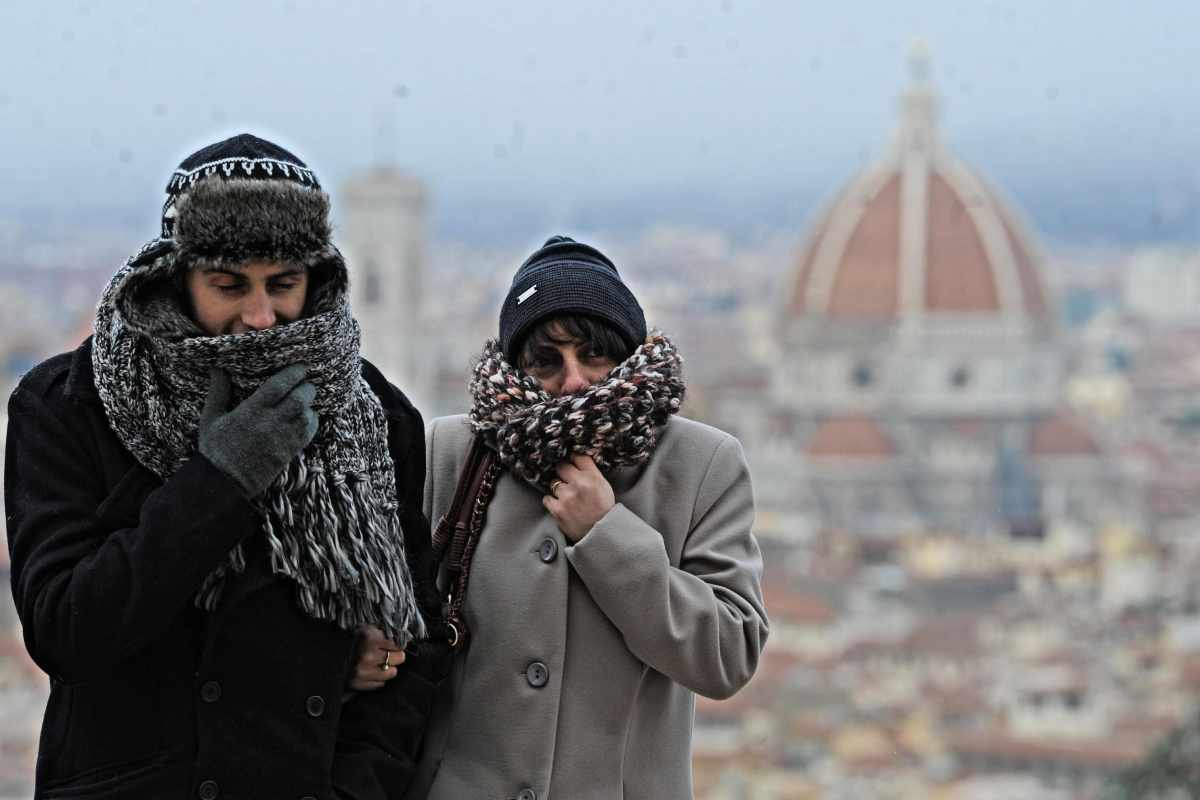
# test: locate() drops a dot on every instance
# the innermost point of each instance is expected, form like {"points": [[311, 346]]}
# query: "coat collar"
{"points": [[81, 380]]}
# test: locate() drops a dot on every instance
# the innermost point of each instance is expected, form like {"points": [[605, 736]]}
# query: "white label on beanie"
{"points": [[528, 293]]}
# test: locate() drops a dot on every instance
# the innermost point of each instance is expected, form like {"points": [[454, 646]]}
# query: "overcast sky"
{"points": [[551, 113]]}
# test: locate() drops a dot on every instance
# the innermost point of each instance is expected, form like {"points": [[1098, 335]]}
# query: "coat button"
{"points": [[548, 551], [209, 790], [527, 794], [315, 706], [210, 692], [537, 674]]}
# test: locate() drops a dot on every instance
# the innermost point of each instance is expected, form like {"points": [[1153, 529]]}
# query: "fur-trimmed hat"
{"points": [[245, 198], [568, 277]]}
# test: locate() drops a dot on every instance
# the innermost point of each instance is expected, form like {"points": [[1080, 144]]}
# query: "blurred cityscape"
{"points": [[974, 458]]}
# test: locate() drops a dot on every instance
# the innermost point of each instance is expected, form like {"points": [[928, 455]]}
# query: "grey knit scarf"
{"points": [[331, 519], [616, 421]]}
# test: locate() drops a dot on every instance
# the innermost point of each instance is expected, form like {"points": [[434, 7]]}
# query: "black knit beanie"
{"points": [[568, 277], [245, 198]]}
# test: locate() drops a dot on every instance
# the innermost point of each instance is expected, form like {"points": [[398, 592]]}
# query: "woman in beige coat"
{"points": [[616, 574]]}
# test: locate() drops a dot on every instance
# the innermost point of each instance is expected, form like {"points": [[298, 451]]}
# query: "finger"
{"points": [[277, 387], [367, 677], [311, 425], [370, 653], [373, 635], [366, 686], [216, 402], [374, 671], [566, 470], [304, 394], [371, 673], [377, 641], [584, 463], [386, 655], [552, 504]]}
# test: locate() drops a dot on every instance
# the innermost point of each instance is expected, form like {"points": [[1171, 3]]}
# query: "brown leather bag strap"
{"points": [[458, 530], [458, 515]]}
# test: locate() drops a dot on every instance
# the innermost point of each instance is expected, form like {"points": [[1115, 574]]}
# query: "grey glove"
{"points": [[255, 441]]}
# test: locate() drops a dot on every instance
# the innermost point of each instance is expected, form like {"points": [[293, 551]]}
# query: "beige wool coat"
{"points": [[578, 681]]}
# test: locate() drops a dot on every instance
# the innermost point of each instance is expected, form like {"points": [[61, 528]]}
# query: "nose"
{"points": [[573, 378], [258, 313]]}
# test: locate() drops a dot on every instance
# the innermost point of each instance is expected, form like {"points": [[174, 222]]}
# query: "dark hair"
{"points": [[601, 338]]}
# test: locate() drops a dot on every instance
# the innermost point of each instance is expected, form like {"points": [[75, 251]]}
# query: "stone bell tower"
{"points": [[382, 230]]}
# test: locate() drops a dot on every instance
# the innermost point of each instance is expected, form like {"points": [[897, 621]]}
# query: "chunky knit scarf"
{"points": [[331, 519], [616, 421]]}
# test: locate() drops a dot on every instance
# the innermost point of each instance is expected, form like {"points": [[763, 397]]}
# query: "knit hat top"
{"points": [[245, 199], [242, 156], [568, 277]]}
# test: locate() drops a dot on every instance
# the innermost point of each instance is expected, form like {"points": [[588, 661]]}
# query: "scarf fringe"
{"points": [[317, 540]]}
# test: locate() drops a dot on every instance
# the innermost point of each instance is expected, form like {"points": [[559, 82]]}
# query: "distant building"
{"points": [[918, 344], [1163, 285], [382, 229]]}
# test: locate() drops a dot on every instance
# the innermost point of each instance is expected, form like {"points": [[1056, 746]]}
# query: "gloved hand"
{"points": [[255, 441]]}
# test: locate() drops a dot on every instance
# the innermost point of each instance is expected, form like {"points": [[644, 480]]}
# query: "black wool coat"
{"points": [[150, 696]]}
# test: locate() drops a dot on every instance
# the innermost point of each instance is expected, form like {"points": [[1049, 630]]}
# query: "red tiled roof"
{"points": [[1146, 728], [12, 648], [959, 701], [1108, 753], [958, 276], [946, 634], [796, 606], [850, 436], [1189, 673], [868, 278], [1062, 435], [811, 728], [958, 271]]}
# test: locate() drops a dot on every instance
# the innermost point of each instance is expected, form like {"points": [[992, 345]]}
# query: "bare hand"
{"points": [[378, 657], [579, 497]]}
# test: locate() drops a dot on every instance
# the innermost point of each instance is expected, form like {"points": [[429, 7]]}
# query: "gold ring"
{"points": [[554, 484], [387, 655]]}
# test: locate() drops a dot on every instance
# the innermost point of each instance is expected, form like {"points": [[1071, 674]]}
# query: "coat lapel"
{"points": [[240, 586]]}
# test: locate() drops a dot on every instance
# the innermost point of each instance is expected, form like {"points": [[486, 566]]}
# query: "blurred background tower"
{"points": [[382, 230]]}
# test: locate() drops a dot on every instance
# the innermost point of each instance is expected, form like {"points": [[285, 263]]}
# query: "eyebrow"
{"points": [[237, 273], [288, 273]]}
